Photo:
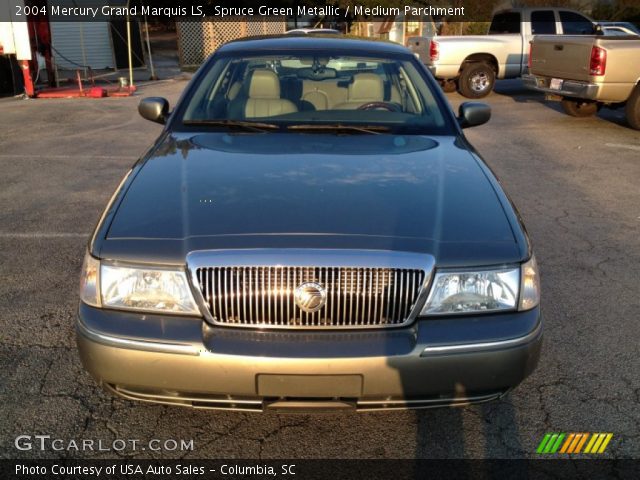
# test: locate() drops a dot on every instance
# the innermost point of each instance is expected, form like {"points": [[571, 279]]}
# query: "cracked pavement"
{"points": [[579, 197]]}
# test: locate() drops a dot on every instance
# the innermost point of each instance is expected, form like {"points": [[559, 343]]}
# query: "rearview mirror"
{"points": [[155, 109], [472, 114]]}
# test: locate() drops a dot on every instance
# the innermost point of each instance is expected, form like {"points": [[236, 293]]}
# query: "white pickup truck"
{"points": [[472, 63], [587, 73]]}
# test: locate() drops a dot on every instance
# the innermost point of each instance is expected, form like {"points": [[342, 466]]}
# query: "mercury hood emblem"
{"points": [[310, 297]]}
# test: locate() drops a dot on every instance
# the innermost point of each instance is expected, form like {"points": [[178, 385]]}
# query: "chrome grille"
{"points": [[264, 296]]}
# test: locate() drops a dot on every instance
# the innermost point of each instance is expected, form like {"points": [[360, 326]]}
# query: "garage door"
{"points": [[78, 44]]}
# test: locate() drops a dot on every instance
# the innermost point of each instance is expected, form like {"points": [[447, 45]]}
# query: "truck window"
{"points": [[543, 22], [505, 22], [576, 24]]}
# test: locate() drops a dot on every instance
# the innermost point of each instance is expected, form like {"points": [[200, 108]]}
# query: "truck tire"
{"points": [[476, 80], [579, 108], [632, 110]]}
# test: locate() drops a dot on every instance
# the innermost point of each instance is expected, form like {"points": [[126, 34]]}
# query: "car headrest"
{"points": [[366, 86], [264, 84]]}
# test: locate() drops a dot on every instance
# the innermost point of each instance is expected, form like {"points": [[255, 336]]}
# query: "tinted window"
{"points": [[507, 22], [574, 24], [543, 22]]}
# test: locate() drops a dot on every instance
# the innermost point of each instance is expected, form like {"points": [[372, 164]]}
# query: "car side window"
{"points": [[614, 31], [506, 22], [543, 22], [576, 24]]}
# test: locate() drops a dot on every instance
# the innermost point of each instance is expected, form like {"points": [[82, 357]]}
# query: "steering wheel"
{"points": [[391, 107]]}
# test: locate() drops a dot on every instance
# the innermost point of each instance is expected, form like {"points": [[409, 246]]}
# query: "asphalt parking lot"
{"points": [[575, 182]]}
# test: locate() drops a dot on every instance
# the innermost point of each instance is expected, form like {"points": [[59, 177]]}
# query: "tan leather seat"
{"points": [[365, 88], [235, 89], [318, 98], [264, 96], [323, 95]]}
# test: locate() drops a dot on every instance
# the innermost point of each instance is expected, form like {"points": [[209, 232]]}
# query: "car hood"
{"points": [[279, 190]]}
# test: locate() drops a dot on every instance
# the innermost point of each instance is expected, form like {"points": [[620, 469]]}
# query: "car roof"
{"points": [[314, 42]]}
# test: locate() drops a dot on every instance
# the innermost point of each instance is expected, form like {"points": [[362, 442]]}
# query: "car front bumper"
{"points": [[186, 361]]}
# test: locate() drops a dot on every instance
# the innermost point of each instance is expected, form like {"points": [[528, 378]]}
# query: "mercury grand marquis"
{"points": [[310, 231]]}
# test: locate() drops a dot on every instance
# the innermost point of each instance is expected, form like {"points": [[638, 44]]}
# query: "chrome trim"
{"points": [[128, 343], [418, 404], [307, 257], [317, 258], [479, 347], [189, 402], [260, 404], [189, 398]]}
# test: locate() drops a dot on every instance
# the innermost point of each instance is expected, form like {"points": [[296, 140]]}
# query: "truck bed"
{"points": [[568, 57]]}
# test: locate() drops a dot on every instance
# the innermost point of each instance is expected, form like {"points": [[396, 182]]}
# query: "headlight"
{"points": [[479, 291], [484, 290], [136, 288], [148, 289]]}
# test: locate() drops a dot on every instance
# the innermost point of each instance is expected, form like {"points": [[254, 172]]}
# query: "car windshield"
{"points": [[311, 92]]}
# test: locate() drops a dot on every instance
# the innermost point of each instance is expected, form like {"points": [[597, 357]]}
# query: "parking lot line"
{"points": [[624, 145]]}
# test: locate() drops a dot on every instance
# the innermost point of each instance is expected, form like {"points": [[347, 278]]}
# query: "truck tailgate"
{"points": [[420, 47], [565, 57]]}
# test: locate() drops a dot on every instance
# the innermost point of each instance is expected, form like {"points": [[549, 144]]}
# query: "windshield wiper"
{"points": [[239, 124], [338, 127]]}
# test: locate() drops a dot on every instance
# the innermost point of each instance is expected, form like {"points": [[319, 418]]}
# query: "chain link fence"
{"points": [[198, 40]]}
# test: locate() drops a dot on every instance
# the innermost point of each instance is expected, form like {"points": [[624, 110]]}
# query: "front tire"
{"points": [[477, 80], [632, 110], [579, 108]]}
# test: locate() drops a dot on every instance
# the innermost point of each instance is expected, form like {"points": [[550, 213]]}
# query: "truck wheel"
{"points": [[632, 110], [476, 80], [579, 108]]}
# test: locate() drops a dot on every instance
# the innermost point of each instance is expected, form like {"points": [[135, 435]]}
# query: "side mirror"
{"points": [[472, 114], [155, 109]]}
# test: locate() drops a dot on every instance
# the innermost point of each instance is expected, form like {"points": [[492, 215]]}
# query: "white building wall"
{"points": [[14, 34]]}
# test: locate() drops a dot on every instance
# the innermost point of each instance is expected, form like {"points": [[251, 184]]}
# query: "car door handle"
{"points": [[558, 47]]}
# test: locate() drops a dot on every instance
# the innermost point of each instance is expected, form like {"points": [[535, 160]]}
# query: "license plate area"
{"points": [[309, 386], [556, 84]]}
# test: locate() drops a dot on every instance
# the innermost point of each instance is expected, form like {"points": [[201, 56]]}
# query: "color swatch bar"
{"points": [[568, 443]]}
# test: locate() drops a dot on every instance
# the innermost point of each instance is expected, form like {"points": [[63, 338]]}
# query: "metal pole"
{"points": [[129, 47], [84, 52], [146, 28]]}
